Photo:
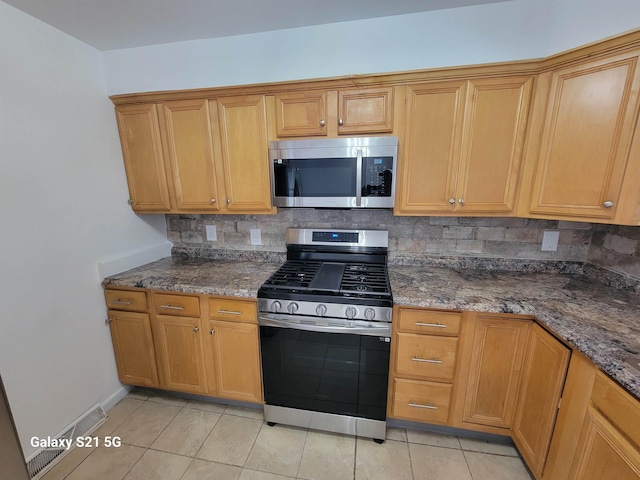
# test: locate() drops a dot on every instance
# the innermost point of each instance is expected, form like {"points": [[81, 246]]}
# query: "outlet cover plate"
{"points": [[212, 234], [550, 241], [256, 236]]}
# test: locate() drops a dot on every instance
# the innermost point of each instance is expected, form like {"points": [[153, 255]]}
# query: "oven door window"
{"points": [[338, 373], [327, 177]]}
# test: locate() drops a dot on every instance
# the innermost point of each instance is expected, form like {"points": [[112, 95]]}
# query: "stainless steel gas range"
{"points": [[325, 328]]}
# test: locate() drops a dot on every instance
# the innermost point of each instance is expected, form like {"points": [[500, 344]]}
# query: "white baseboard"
{"points": [[115, 397], [120, 264]]}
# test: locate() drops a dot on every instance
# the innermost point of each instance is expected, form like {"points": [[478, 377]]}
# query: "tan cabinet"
{"points": [[423, 364], [190, 155], [197, 156], [233, 347], [587, 113], [497, 352], [344, 112], [143, 158], [180, 353], [463, 146], [543, 375], [241, 123], [179, 342], [133, 348]]}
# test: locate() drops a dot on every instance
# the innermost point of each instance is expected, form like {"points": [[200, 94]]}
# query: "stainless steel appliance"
{"points": [[334, 173], [325, 328]]}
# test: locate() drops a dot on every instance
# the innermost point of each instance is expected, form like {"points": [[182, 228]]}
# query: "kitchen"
{"points": [[75, 205]]}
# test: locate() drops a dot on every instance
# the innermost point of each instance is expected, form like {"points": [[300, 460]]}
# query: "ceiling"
{"points": [[115, 24]]}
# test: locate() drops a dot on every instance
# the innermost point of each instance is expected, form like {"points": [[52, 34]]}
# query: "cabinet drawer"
{"points": [[182, 305], [619, 407], [426, 355], [421, 401], [433, 322], [126, 300], [233, 309]]}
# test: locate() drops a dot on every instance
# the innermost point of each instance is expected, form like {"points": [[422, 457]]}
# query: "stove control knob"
{"points": [[351, 312], [276, 306], [321, 310], [369, 314], [292, 308]]}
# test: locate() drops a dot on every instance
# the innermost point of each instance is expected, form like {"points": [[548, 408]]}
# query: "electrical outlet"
{"points": [[212, 234], [550, 241], [256, 236]]}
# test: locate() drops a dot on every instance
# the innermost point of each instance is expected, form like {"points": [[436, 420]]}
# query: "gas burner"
{"points": [[362, 288]]}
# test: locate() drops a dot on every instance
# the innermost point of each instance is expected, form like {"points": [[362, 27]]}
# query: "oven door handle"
{"points": [[376, 329]]}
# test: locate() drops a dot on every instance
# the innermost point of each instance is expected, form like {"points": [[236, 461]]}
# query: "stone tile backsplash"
{"points": [[616, 248], [514, 238]]}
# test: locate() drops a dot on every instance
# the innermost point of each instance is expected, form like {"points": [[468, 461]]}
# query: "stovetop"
{"points": [[344, 282]]}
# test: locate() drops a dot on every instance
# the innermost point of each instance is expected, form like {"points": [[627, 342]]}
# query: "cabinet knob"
{"points": [[108, 320], [607, 204], [130, 201], [212, 331], [340, 122], [322, 123], [461, 201], [452, 201], [196, 329], [228, 201], [212, 201]]}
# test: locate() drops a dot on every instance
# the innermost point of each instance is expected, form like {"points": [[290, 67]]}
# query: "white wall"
{"points": [[62, 209], [514, 30]]}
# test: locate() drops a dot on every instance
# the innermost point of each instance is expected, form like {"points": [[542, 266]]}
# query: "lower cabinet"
{"points": [[236, 360], [543, 375], [493, 365], [188, 343], [180, 353], [133, 348]]}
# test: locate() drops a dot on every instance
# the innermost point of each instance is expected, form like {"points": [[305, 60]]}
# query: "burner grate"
{"points": [[361, 278], [294, 275]]}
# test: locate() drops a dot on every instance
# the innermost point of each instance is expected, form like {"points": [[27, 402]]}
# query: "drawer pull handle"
{"points": [[122, 302], [172, 307], [437, 325], [224, 311], [430, 406], [426, 360]]}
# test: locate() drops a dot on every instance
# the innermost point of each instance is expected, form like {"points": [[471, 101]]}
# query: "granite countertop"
{"points": [[235, 278], [600, 321]]}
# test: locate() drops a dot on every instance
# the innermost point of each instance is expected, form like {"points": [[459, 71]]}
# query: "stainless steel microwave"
{"points": [[355, 172]]}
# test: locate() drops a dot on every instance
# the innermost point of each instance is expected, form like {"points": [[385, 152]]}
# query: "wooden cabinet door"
{"points": [[236, 353], [543, 374], [366, 110], [496, 362], [241, 124], [301, 114], [190, 154], [429, 161], [586, 138], [603, 452], [143, 160], [133, 347], [494, 130], [180, 353]]}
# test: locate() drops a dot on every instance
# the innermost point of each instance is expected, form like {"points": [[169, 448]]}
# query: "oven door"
{"points": [[339, 370]]}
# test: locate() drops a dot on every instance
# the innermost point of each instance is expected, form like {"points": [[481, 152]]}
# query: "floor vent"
{"points": [[47, 458]]}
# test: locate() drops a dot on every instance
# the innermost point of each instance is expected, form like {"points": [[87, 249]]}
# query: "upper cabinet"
{"points": [[463, 146], [143, 158], [241, 122], [345, 111], [585, 115], [197, 156]]}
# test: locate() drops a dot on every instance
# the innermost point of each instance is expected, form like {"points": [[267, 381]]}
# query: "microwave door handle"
{"points": [[359, 179]]}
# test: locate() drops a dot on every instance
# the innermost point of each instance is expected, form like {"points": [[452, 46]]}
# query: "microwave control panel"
{"points": [[377, 176]]}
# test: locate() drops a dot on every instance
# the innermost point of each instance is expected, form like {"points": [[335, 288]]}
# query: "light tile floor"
{"points": [[167, 438]]}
